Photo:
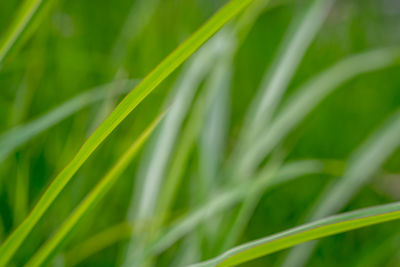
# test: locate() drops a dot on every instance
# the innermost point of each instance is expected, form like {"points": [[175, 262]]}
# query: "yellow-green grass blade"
{"points": [[187, 224], [20, 134], [305, 99], [127, 105], [364, 162], [326, 227], [21, 21], [51, 246], [230, 196]]}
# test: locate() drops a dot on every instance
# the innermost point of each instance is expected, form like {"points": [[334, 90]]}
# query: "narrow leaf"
{"points": [[21, 21], [136, 96], [21, 134], [48, 250], [321, 228]]}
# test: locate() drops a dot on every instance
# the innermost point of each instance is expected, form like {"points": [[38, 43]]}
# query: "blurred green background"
{"points": [[78, 45]]}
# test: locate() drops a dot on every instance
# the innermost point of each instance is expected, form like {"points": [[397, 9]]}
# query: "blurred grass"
{"points": [[78, 45]]}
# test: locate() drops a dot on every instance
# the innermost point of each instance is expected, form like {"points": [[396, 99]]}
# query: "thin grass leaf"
{"points": [[231, 38], [20, 134], [148, 84], [19, 24], [216, 115], [364, 162], [310, 95], [183, 226], [299, 105], [276, 80], [45, 253], [229, 197], [184, 147], [248, 206], [183, 95], [326, 227], [274, 84], [153, 167]]}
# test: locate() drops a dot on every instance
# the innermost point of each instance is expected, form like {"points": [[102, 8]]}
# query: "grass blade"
{"points": [[184, 147], [19, 135], [306, 98], [274, 84], [322, 228], [183, 95], [363, 164], [276, 80], [148, 188], [45, 253], [185, 225], [22, 19], [310, 95], [229, 197], [148, 84]]}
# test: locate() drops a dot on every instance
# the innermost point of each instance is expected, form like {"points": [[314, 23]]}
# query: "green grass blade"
{"points": [[148, 84], [229, 197], [183, 95], [276, 80], [45, 253], [322, 228], [151, 174], [303, 102], [19, 135], [184, 147], [186, 225], [310, 95], [21, 21], [364, 162], [274, 84]]}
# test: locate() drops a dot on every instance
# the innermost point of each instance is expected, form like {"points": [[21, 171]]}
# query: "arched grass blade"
{"points": [[19, 135], [231, 196], [364, 162], [50, 247], [310, 95], [127, 105], [180, 228], [322, 228]]}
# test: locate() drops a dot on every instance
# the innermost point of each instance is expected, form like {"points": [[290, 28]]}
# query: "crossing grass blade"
{"points": [[48, 250], [21, 134], [274, 84], [276, 80], [127, 105], [318, 229], [364, 162], [308, 96], [187, 224], [231, 196]]}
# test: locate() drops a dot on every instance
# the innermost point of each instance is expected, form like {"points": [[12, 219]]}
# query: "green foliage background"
{"points": [[75, 47]]}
